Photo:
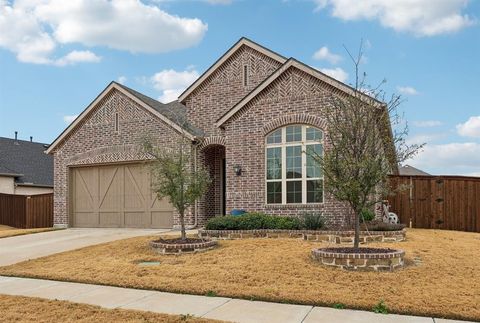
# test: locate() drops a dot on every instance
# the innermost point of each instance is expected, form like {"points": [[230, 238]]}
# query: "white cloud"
{"points": [[37, 28], [452, 158], [69, 119], [408, 90], [337, 73], [325, 54], [122, 79], [471, 128], [78, 56], [172, 83], [420, 17], [427, 123]]}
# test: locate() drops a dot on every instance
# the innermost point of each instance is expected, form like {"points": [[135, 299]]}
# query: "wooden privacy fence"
{"points": [[438, 202], [26, 211]]}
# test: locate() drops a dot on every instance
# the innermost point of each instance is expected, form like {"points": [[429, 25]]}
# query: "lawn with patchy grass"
{"points": [[442, 277], [6, 231], [31, 309]]}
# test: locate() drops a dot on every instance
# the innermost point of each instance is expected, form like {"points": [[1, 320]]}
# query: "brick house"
{"points": [[249, 118]]}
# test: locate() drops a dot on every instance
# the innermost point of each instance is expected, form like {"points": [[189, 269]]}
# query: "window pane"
{"points": [[275, 137], [313, 134], [294, 161], [315, 191], [294, 133], [274, 192], [313, 167], [294, 192], [274, 163]]}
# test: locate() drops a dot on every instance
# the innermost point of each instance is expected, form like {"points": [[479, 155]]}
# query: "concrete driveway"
{"points": [[30, 246]]}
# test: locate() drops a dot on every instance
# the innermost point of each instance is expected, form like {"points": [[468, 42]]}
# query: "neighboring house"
{"points": [[408, 170], [25, 168], [249, 117]]}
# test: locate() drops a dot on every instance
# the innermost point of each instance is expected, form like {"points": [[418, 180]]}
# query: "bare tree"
{"points": [[175, 176], [363, 150]]}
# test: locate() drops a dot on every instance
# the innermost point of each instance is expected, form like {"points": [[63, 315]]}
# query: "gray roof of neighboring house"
{"points": [[26, 161], [174, 111], [408, 170]]}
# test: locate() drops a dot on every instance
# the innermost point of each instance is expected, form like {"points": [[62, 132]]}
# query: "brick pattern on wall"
{"points": [[224, 88], [294, 98], [95, 141]]}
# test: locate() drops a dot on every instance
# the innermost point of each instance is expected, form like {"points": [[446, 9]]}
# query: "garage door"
{"points": [[117, 196]]}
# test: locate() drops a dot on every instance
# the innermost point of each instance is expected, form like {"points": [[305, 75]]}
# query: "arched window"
{"points": [[292, 175]]}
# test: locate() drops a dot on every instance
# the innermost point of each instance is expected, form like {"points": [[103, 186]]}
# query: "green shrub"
{"points": [[312, 221], [380, 308], [253, 221], [339, 306], [367, 215]]}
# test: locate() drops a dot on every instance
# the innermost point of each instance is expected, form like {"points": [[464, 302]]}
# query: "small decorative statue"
{"points": [[389, 217]]}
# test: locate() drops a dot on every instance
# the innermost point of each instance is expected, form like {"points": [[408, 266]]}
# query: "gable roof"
{"points": [[26, 161], [173, 113], [408, 170], [242, 42], [303, 67]]}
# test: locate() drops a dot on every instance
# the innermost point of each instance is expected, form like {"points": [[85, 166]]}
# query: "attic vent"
{"points": [[116, 121], [245, 75]]}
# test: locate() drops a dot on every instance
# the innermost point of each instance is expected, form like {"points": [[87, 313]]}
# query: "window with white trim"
{"points": [[292, 174]]}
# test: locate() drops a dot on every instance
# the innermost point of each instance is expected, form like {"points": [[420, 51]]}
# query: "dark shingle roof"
{"points": [[408, 170], [173, 111], [26, 161]]}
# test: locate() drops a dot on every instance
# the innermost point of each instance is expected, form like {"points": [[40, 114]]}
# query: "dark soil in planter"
{"points": [[180, 241], [359, 250]]}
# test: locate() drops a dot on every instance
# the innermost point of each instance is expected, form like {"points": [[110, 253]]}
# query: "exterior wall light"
{"points": [[237, 169]]}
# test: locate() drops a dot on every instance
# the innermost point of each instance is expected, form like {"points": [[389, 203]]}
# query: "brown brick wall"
{"points": [[294, 98], [224, 88], [95, 141]]}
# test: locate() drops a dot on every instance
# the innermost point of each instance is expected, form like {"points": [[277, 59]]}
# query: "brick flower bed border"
{"points": [[361, 261], [324, 236], [170, 248]]}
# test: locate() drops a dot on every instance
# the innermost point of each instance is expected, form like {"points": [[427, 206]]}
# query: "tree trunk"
{"points": [[356, 241], [182, 225]]}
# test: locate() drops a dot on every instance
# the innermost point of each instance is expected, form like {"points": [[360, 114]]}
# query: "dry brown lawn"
{"points": [[446, 283], [6, 231], [30, 309]]}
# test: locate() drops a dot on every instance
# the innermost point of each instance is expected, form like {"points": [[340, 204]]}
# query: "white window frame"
{"points": [[283, 144]]}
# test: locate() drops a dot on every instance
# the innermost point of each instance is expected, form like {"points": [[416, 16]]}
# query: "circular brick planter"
{"points": [[383, 260], [178, 248], [338, 237]]}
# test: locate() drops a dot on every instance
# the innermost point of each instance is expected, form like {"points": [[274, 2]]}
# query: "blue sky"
{"points": [[57, 56]]}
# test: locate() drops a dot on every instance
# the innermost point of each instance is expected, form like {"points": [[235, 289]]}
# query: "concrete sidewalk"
{"points": [[220, 308]]}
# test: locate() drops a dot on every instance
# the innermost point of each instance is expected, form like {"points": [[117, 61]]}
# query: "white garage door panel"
{"points": [[117, 196]]}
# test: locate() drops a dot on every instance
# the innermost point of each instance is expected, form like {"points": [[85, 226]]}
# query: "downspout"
{"points": [[195, 206]]}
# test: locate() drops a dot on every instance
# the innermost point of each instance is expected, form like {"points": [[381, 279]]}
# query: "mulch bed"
{"points": [[359, 250]]}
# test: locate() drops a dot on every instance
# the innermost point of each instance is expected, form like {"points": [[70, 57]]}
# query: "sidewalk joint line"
{"points": [[139, 299], [216, 307], [308, 313]]}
